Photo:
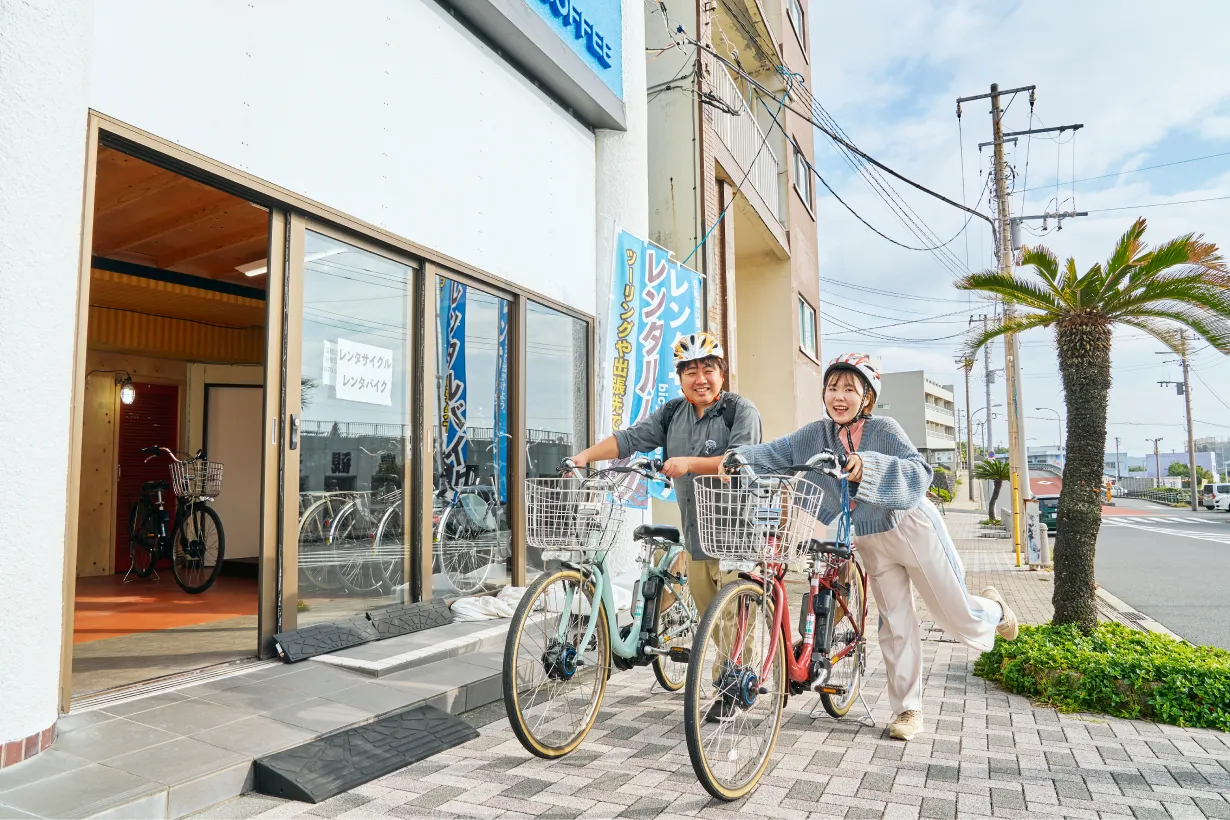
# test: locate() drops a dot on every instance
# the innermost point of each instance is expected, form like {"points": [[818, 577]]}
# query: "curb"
{"points": [[1123, 613]]}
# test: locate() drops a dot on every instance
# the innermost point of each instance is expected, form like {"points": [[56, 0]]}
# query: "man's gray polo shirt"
{"points": [[683, 434]]}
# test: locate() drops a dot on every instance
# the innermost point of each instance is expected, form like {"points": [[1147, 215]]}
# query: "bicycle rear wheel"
{"points": [[731, 715], [675, 629], [197, 548], [143, 537], [553, 686], [468, 544], [316, 558], [846, 674], [353, 539], [391, 548]]}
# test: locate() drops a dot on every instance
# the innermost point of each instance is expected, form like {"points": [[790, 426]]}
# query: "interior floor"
{"points": [[144, 629]]}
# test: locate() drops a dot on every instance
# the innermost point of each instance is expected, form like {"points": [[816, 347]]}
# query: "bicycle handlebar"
{"points": [[827, 462], [650, 468], [152, 452]]}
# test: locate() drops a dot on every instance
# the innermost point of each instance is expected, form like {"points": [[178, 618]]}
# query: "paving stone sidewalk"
{"points": [[985, 754]]}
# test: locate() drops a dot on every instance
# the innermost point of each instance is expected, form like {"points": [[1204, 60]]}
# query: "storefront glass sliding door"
{"points": [[350, 437]]}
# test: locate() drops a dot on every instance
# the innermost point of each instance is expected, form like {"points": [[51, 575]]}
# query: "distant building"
{"points": [[925, 409], [1206, 460], [1219, 446], [1051, 455]]}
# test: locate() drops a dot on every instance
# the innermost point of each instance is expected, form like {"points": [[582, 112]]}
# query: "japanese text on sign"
{"points": [[364, 373]]}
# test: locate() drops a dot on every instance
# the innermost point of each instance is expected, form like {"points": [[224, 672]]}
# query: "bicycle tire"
{"points": [[143, 537], [353, 540], [838, 706], [316, 565], [391, 548], [185, 550], [695, 699], [518, 670], [673, 675], [466, 551]]}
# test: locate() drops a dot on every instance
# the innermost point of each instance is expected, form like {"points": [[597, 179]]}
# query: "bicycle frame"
{"points": [[596, 572], [799, 662]]}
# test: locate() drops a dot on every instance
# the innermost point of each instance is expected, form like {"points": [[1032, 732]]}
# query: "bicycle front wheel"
{"points": [[197, 549], [467, 549], [553, 685], [847, 648], [143, 537], [735, 691]]}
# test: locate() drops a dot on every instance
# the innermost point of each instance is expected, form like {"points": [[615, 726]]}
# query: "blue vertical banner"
{"points": [[654, 301], [501, 405], [453, 405]]}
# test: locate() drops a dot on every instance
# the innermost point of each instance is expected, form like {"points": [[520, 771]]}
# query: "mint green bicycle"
{"points": [[565, 633]]}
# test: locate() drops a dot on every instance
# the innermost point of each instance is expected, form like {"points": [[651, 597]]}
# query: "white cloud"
{"points": [[890, 72]]}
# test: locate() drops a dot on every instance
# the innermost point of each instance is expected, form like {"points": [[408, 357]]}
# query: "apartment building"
{"points": [[731, 193], [925, 409]]}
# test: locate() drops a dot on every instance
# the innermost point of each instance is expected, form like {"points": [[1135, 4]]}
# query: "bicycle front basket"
{"points": [[767, 518], [196, 478], [572, 514]]}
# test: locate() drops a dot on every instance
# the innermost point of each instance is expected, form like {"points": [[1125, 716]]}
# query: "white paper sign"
{"points": [[328, 367], [364, 373]]}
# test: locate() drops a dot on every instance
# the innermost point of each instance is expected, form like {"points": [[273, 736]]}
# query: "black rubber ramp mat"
{"points": [[351, 757]]}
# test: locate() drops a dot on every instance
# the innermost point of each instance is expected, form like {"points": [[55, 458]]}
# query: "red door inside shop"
{"points": [[152, 420]]}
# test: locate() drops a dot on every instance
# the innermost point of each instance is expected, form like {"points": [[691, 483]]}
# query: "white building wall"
{"points": [[44, 70], [387, 110]]}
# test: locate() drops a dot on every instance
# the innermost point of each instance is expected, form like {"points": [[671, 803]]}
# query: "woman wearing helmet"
{"points": [[695, 432], [898, 533]]}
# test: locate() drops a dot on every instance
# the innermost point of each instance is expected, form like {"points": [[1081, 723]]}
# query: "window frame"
{"points": [[808, 197], [799, 26], [807, 315]]}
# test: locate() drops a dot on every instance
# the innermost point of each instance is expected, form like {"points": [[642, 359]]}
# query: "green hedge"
{"points": [[1116, 671]]}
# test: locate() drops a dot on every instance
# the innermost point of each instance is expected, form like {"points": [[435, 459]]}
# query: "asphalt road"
{"points": [[1171, 564]]}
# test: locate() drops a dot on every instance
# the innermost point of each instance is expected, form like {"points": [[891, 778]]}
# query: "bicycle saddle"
{"points": [[662, 531], [156, 485], [828, 548]]}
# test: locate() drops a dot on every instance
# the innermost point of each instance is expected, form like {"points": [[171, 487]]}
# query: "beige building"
{"points": [[729, 167], [925, 409]]}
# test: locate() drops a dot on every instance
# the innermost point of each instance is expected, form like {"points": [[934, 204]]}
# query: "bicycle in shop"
{"points": [[317, 512], [194, 542], [367, 544], [745, 663], [471, 536], [564, 634]]}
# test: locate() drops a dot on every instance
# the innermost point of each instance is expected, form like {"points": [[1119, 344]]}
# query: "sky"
{"points": [[1151, 85]]}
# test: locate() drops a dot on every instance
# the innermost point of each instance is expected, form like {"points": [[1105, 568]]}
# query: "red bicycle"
{"points": [[744, 661]]}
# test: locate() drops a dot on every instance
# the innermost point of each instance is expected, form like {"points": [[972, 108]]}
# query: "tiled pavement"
{"points": [[985, 754]]}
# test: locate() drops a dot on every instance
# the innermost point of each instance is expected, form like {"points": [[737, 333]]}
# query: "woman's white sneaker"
{"points": [[906, 725], [1008, 628]]}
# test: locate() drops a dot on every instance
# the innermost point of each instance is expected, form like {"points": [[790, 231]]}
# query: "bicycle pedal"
{"points": [[832, 690], [681, 654]]}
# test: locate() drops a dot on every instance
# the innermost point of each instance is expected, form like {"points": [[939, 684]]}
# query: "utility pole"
{"points": [[1118, 472], [1003, 247], [967, 365], [1157, 459], [1184, 388]]}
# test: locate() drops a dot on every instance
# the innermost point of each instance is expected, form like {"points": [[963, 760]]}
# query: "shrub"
{"points": [[1115, 670], [943, 494]]}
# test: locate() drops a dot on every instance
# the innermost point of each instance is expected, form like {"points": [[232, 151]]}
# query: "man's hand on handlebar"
{"points": [[677, 467]]}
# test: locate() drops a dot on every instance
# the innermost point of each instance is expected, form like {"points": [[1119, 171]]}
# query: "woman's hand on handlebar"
{"points": [[854, 467]]}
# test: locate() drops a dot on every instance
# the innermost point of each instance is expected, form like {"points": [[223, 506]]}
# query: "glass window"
{"points": [[795, 11], [802, 176], [354, 430], [557, 394], [471, 551], [807, 327]]}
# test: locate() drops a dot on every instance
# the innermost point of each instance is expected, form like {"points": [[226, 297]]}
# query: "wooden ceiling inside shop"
{"points": [[157, 218]]}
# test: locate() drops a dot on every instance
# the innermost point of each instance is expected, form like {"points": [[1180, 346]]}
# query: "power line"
{"points": [[1137, 170], [1157, 204]]}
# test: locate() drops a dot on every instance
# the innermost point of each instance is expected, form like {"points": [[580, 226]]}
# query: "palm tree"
{"points": [[1180, 284], [997, 470]]}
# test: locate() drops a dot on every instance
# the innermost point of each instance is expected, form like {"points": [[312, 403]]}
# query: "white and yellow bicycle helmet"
{"points": [[696, 346]]}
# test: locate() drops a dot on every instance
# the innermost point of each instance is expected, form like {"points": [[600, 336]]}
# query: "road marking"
{"points": [[1220, 538]]}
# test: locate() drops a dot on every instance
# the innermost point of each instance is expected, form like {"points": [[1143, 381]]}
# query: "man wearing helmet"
{"points": [[897, 532], [694, 432]]}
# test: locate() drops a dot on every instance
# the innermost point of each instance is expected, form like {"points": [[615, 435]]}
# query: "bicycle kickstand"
{"points": [[866, 719]]}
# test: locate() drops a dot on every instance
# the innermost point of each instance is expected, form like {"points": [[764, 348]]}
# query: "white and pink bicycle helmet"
{"points": [[861, 364]]}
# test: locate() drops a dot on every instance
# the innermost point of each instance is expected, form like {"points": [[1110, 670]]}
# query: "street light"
{"points": [[1059, 421]]}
